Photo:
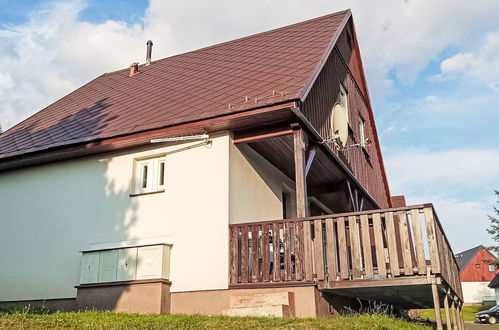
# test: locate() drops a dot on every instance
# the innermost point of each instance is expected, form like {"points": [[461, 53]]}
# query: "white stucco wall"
{"points": [[473, 292], [48, 213]]}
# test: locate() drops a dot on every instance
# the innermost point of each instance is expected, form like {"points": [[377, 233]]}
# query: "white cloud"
{"points": [[411, 170], [478, 67], [457, 63]]}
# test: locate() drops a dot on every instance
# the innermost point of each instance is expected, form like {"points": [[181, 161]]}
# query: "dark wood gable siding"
{"points": [[343, 66]]}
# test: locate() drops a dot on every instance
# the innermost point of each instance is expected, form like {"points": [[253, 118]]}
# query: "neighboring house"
{"points": [[268, 197], [476, 273]]}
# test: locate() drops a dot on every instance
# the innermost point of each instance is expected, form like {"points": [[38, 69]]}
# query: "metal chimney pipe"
{"points": [[149, 52]]}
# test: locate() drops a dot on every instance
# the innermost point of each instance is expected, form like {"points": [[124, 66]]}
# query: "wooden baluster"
{"points": [[431, 237], [392, 244], [276, 248], [366, 245], [298, 251], [318, 250], [254, 254], [265, 253], [342, 248], [405, 243], [307, 251], [380, 249], [331, 250], [354, 246], [287, 252], [418, 242], [244, 254], [234, 255]]}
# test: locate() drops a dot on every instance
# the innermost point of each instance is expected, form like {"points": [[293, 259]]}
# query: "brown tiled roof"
{"points": [[267, 68]]}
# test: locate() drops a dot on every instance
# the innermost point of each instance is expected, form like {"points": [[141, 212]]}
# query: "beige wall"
{"points": [[51, 212], [255, 187]]}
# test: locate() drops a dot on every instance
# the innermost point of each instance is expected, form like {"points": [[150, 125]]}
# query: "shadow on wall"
{"points": [[58, 209]]}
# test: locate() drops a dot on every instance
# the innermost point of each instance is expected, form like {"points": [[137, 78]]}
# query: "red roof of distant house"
{"points": [[268, 68]]}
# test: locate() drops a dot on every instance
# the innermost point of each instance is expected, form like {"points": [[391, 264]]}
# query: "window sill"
{"points": [[147, 193]]}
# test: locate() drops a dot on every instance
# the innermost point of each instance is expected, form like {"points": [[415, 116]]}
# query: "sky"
{"points": [[432, 69]]}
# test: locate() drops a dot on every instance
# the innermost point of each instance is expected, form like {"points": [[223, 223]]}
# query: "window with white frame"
{"points": [[344, 99], [492, 268], [149, 175], [362, 132]]}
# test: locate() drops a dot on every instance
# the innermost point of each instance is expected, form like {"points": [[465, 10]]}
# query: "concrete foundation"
{"points": [[146, 297], [304, 301]]}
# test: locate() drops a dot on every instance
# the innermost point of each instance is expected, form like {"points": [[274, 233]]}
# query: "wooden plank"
{"points": [[244, 254], [436, 305], [354, 246], [276, 248], [392, 244], [380, 249], [342, 248], [366, 246], [254, 254], [298, 251], [448, 322], [405, 243], [318, 250], [300, 177], [265, 253], [432, 240], [287, 252], [331, 250], [234, 255], [260, 137], [418, 242], [453, 315], [307, 251]]}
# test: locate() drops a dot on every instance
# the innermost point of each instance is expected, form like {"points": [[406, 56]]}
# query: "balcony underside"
{"points": [[404, 292]]}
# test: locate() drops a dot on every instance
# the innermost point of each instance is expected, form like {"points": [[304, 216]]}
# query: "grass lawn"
{"points": [[111, 320], [468, 312]]}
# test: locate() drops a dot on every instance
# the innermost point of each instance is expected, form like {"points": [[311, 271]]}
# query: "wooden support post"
{"points": [[436, 305], [460, 324], [454, 315], [448, 322], [300, 177], [461, 317]]}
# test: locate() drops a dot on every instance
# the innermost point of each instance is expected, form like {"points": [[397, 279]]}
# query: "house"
{"points": [[241, 178], [476, 272]]}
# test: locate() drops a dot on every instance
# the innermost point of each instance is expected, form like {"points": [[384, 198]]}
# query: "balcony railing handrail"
{"points": [[337, 215], [356, 245]]}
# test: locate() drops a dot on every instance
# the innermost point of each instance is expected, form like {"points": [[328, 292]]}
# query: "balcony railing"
{"points": [[366, 245]]}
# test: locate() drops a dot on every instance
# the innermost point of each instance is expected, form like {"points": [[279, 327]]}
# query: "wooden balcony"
{"points": [[399, 256]]}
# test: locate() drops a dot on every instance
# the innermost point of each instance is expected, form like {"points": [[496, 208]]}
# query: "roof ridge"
{"points": [[338, 13]]}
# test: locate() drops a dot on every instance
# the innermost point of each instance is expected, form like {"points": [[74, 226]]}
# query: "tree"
{"points": [[493, 230]]}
